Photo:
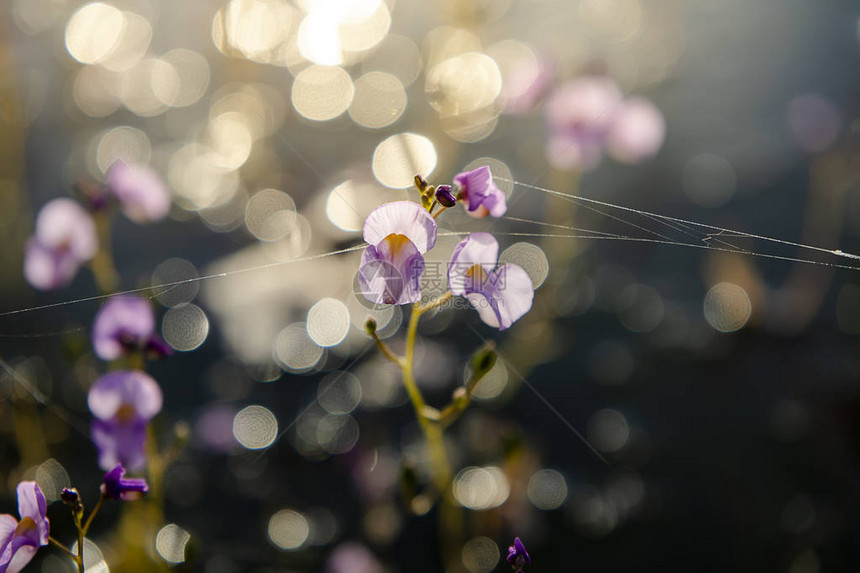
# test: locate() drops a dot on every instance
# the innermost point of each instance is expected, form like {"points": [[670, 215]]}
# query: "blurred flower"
{"points": [[126, 323], [65, 238], [115, 486], [588, 116], [637, 131], [19, 540], [351, 557], [123, 402], [398, 234], [500, 295], [580, 114], [444, 196], [525, 84], [518, 557], [478, 188], [141, 192]]}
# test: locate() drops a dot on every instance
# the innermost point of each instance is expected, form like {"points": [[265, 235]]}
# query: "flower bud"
{"points": [[370, 326], [445, 197]]}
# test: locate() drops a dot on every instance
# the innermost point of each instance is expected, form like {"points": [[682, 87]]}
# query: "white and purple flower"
{"points": [[398, 234], [481, 194], [142, 194], [65, 238], [19, 540], [123, 402], [518, 557], [500, 293], [125, 323]]}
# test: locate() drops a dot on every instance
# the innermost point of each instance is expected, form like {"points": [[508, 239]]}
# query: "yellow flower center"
{"points": [[396, 242], [25, 526], [125, 413]]}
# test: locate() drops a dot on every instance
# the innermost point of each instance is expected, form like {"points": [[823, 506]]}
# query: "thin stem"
{"points": [[86, 526], [80, 556], [102, 264], [440, 211], [386, 351], [62, 546]]}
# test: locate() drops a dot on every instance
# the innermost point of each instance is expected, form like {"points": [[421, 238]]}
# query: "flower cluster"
{"points": [[66, 236], [589, 116], [400, 233]]}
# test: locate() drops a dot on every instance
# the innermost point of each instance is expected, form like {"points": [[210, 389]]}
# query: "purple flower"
{"points": [[65, 238], [580, 114], [398, 234], [125, 323], [518, 557], [500, 294], [637, 132], [123, 402], [483, 197], [140, 191], [115, 486], [19, 540]]}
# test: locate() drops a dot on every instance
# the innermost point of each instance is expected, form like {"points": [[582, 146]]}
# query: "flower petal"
{"points": [[477, 249], [7, 530], [401, 218], [17, 555], [140, 191], [120, 444], [46, 268], [637, 131], [32, 504], [391, 272], [125, 388], [122, 319], [64, 224], [482, 191], [508, 294]]}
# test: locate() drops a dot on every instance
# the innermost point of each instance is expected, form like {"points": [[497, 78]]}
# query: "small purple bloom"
{"points": [[19, 540], [637, 132], [518, 557], [398, 234], [125, 323], [580, 114], [483, 197], [141, 192], [501, 295], [444, 196], [65, 238], [115, 486], [123, 402]]}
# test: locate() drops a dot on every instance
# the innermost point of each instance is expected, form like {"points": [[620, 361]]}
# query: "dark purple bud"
{"points": [[117, 487], [445, 197], [518, 557], [70, 496]]}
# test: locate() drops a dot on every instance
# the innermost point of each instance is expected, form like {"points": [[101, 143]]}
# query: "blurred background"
{"points": [[721, 390]]}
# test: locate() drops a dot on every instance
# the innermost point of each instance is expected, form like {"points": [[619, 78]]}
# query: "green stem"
{"points": [[62, 546], [102, 264], [86, 526], [386, 351]]}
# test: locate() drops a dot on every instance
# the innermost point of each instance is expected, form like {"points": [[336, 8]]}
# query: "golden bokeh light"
{"points": [[321, 93], [132, 45], [270, 215], [188, 78], [258, 30], [288, 529], [122, 142], [94, 31], [727, 307], [170, 543], [396, 55], [398, 158], [379, 101]]}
